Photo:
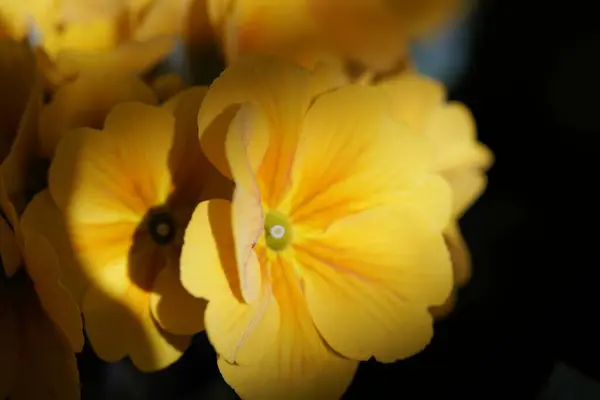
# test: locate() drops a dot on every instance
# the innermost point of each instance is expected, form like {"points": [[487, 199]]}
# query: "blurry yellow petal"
{"points": [[369, 294], [414, 98], [162, 18], [77, 11], [298, 364], [42, 216], [8, 344], [118, 323], [47, 367], [453, 133], [86, 102], [57, 301], [173, 307], [467, 185], [352, 156], [459, 254], [167, 86], [440, 312], [17, 76], [266, 83], [134, 57], [99, 34], [118, 174]]}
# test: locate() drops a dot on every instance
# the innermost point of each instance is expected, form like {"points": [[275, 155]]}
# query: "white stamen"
{"points": [[277, 231], [163, 229]]}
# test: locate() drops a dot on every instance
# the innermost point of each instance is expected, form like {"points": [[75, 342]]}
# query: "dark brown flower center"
{"points": [[162, 228]]}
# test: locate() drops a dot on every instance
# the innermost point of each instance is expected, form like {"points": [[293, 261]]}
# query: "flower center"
{"points": [[278, 231], [162, 228]]}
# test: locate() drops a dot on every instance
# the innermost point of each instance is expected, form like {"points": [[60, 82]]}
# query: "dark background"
{"points": [[533, 84]]}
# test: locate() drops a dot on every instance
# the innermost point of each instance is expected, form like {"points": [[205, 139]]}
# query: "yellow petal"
{"points": [[8, 344], [214, 269], [247, 219], [453, 133], [266, 83], [167, 86], [118, 174], [207, 256], [162, 18], [370, 278], [86, 102], [467, 185], [17, 76], [173, 307], [352, 156], [459, 253], [298, 364], [441, 312], [57, 301], [42, 216], [47, 367], [118, 322], [239, 331], [134, 57]]}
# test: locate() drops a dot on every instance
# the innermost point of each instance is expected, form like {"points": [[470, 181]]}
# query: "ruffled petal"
{"points": [[118, 323], [297, 364], [175, 310], [370, 278]]}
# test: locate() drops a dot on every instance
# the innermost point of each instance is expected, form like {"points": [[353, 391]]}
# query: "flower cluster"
{"points": [[304, 217]]}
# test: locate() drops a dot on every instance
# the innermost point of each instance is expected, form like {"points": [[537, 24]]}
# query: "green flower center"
{"points": [[278, 231]]}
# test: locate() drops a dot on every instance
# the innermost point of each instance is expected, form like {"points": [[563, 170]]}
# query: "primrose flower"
{"points": [[421, 103], [331, 249], [119, 35], [126, 193]]}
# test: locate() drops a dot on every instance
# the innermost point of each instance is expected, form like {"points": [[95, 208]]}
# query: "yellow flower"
{"points": [[421, 103], [119, 35], [127, 193], [331, 250]]}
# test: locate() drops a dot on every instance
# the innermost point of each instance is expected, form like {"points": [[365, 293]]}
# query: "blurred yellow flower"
{"points": [[40, 323], [462, 160], [249, 26], [377, 32], [373, 32], [331, 249], [127, 193], [125, 35]]}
